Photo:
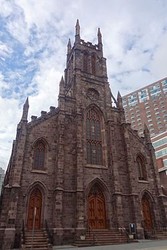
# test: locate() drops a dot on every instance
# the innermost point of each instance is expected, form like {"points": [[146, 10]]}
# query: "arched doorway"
{"points": [[147, 213], [96, 208], [34, 210]]}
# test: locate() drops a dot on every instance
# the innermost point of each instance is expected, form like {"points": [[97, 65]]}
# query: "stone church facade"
{"points": [[80, 165]]}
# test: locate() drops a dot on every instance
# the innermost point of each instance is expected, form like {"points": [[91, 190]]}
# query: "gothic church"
{"points": [[80, 165]]}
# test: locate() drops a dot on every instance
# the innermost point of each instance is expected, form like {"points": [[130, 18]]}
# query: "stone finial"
{"points": [[147, 134], [25, 110], [99, 36], [61, 86], [119, 100], [77, 32], [69, 47]]}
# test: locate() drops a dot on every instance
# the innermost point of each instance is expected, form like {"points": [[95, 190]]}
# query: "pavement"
{"points": [[141, 244]]}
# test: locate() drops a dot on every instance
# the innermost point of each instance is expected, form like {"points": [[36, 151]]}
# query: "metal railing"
{"points": [[23, 233], [49, 234]]}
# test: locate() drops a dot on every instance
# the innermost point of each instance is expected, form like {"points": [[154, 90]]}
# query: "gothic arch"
{"points": [[141, 166], [39, 154], [97, 200], [95, 139], [147, 208], [35, 206], [101, 184], [42, 139]]}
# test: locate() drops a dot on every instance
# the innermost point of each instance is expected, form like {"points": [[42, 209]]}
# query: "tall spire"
{"points": [[77, 32], [25, 110], [119, 100], [61, 86], [100, 45], [147, 133], [69, 47]]}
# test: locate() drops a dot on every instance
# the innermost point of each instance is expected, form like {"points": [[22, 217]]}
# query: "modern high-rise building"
{"points": [[148, 105]]}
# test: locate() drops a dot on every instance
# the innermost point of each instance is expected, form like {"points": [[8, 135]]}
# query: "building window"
{"points": [[93, 138], [164, 85], [143, 95], [142, 173], [39, 155], [132, 99]]}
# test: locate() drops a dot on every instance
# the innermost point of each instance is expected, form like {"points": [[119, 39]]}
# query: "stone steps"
{"points": [[38, 239], [102, 237], [161, 235]]}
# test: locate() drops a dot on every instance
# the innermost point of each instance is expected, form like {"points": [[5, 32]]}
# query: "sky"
{"points": [[33, 46]]}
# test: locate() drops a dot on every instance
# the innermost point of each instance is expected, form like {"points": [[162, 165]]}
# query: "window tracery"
{"points": [[142, 173], [93, 138], [39, 155]]}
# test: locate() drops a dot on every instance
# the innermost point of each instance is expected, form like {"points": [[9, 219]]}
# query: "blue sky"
{"points": [[33, 40]]}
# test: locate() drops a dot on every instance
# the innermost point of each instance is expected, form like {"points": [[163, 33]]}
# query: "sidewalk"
{"points": [[142, 244]]}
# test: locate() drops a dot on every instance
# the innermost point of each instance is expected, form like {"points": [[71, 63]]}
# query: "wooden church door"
{"points": [[147, 213], [96, 209], [34, 210]]}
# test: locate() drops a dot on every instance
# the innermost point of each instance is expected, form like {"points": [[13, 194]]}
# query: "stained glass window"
{"points": [[39, 155], [93, 137], [142, 173]]}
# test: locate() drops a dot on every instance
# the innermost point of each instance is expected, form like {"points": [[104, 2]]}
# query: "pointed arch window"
{"points": [[39, 155], [93, 138], [142, 172]]}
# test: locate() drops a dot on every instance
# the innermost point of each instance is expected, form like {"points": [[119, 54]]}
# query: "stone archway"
{"points": [[96, 208], [147, 211], [34, 210]]}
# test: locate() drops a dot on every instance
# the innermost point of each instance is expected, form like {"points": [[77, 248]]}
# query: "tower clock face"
{"points": [[93, 94]]}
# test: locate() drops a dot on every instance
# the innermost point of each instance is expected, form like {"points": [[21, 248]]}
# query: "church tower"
{"points": [[80, 166], [85, 74]]}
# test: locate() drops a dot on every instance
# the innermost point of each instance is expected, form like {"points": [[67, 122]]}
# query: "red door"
{"points": [[96, 210], [34, 210], [147, 214]]}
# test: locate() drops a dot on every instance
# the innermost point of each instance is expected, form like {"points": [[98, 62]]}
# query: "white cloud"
{"points": [[159, 61], [10, 115], [5, 50], [134, 38]]}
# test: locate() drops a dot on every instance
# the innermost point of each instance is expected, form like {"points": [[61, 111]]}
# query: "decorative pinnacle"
{"points": [[77, 28], [77, 32], [69, 46], [99, 36], [119, 100], [25, 110]]}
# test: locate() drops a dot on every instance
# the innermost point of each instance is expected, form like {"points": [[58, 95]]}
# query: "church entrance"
{"points": [[34, 210], [147, 213], [96, 209]]}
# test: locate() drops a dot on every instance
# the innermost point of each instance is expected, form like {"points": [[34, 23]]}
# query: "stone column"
{"points": [[80, 217]]}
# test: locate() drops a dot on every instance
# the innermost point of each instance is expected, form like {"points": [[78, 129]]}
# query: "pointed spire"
{"points": [[77, 28], [25, 110], [147, 133], [69, 47], [119, 100], [100, 45], [99, 36], [61, 86], [77, 32]]}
